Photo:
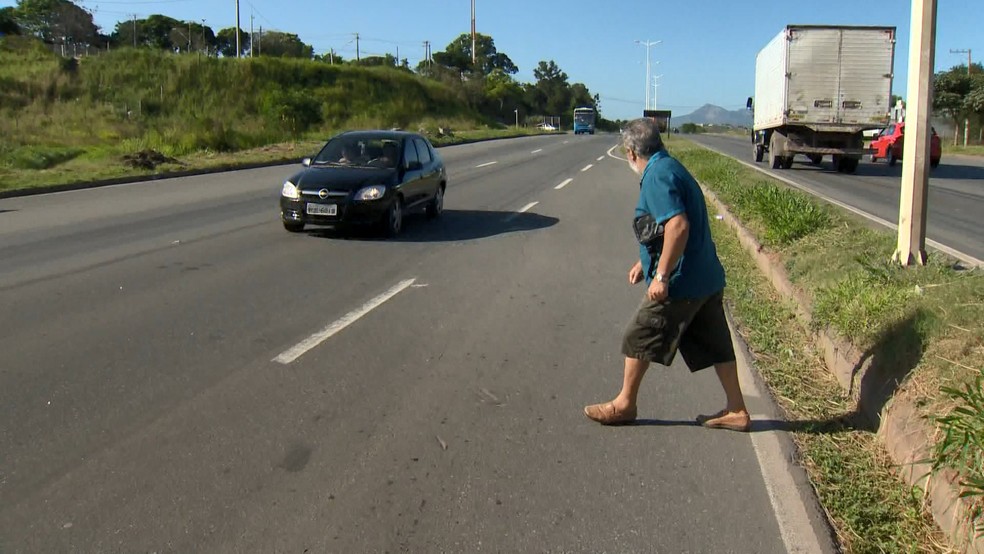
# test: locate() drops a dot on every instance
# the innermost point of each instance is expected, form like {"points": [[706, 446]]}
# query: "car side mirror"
{"points": [[306, 162], [414, 166], [748, 104]]}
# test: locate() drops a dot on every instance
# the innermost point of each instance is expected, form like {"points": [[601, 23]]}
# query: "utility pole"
{"points": [[474, 57], [203, 38], [189, 37], [966, 120], [915, 172], [134, 30], [259, 44], [239, 46], [251, 34], [357, 56], [397, 56]]}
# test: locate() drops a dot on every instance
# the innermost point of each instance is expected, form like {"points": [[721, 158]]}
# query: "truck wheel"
{"points": [[787, 162], [758, 152], [849, 165]]}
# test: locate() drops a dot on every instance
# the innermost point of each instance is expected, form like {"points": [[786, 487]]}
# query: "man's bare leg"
{"points": [[623, 408], [734, 416]]}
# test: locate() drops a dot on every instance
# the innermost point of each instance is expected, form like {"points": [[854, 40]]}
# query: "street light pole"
{"points": [[239, 47], [648, 44], [655, 84], [966, 120], [474, 58]]}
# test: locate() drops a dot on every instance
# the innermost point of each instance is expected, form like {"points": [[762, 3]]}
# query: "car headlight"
{"points": [[374, 192], [290, 191]]}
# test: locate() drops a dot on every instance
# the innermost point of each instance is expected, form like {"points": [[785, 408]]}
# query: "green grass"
{"points": [[969, 150], [869, 508], [924, 325]]}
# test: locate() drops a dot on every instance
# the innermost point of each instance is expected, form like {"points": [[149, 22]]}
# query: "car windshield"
{"points": [[364, 152]]}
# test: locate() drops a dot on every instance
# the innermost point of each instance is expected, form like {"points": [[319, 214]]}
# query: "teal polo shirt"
{"points": [[667, 189]]}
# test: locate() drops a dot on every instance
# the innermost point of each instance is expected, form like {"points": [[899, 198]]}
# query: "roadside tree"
{"points": [[56, 21]]}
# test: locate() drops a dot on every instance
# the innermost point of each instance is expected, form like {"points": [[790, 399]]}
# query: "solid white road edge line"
{"points": [[795, 527], [486, 164], [537, 150], [587, 167], [564, 184], [966, 258], [300, 348], [613, 155]]}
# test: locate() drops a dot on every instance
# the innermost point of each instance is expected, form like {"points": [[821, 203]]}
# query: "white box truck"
{"points": [[817, 89]]}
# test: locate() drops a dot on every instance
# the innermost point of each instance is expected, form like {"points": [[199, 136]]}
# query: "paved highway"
{"points": [[146, 405], [956, 191]]}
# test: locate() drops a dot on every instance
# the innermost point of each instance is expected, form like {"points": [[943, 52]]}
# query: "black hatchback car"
{"points": [[366, 178]]}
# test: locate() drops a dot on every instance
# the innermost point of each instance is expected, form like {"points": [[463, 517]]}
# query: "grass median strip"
{"points": [[925, 323]]}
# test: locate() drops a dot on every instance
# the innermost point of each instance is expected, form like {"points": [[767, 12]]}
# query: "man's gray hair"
{"points": [[642, 137]]}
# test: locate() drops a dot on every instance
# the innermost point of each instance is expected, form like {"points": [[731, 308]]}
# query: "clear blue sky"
{"points": [[707, 54]]}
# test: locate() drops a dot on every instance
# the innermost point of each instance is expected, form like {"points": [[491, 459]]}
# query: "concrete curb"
{"points": [[905, 434], [14, 193]]}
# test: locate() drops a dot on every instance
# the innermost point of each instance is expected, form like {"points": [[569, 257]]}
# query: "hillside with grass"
{"points": [[56, 113]]}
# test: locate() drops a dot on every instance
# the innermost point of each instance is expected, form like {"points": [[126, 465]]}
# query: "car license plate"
{"points": [[322, 209]]}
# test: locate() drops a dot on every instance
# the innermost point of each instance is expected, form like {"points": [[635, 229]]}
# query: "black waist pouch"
{"points": [[649, 233]]}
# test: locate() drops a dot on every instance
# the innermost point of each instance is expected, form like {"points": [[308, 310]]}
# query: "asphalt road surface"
{"points": [[955, 206], [147, 406]]}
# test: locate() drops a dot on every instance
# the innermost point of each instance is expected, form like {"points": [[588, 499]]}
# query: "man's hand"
{"points": [[635, 273], [658, 291]]}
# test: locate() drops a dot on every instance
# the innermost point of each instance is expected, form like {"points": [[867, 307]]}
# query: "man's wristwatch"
{"points": [[660, 277]]}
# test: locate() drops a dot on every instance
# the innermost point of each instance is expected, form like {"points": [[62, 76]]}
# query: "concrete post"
{"points": [[915, 155]]}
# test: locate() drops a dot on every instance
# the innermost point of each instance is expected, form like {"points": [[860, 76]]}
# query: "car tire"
{"points": [[892, 159], [436, 206], [293, 227], [934, 163], [392, 222]]}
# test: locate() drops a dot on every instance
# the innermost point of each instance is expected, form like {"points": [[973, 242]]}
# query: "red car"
{"points": [[888, 144]]}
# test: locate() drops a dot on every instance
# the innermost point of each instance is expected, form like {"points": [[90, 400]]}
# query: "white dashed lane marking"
{"points": [[587, 167], [486, 164], [564, 184], [314, 340]]}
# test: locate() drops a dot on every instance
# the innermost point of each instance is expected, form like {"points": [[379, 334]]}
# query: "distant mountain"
{"points": [[709, 114]]}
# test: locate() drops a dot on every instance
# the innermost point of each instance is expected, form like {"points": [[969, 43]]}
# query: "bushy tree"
{"points": [[458, 55], [56, 21], [225, 42], [282, 45], [8, 22]]}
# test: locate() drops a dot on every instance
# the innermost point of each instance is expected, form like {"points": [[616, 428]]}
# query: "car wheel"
{"points": [[293, 227], [393, 221], [892, 159], [436, 206], [934, 163]]}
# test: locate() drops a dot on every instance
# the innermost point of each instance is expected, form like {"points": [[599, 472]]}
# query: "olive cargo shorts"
{"points": [[697, 327]]}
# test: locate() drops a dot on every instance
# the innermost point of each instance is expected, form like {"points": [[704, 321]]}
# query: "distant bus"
{"points": [[584, 120]]}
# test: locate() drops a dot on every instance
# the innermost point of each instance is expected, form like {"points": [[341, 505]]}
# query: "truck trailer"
{"points": [[817, 89]]}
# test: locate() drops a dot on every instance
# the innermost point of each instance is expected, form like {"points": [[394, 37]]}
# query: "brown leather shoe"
{"points": [[606, 414], [732, 421]]}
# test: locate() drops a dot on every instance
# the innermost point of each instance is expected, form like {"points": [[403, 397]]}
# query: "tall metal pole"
{"points": [[915, 172], [648, 44], [239, 47], [251, 34], [474, 57]]}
